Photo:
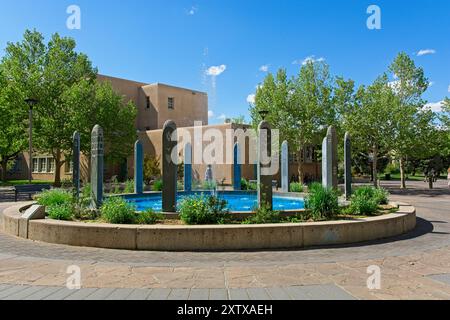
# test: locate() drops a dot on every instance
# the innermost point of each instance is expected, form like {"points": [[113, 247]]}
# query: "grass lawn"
{"points": [[417, 177], [12, 183]]}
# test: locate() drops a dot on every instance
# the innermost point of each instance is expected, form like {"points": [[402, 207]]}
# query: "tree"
{"points": [[70, 99], [414, 131], [151, 169], [301, 107], [368, 120], [239, 120], [13, 138]]}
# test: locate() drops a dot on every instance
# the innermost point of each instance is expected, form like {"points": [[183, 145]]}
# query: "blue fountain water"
{"points": [[237, 201]]}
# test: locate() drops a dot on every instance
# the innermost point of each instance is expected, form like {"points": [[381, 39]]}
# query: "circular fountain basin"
{"points": [[237, 201]]}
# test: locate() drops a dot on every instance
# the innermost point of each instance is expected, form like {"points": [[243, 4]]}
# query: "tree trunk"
{"points": [[375, 166], [402, 174], [4, 168], [58, 165], [301, 175]]}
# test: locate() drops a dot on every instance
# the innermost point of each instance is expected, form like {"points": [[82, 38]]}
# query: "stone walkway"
{"points": [[413, 266]]}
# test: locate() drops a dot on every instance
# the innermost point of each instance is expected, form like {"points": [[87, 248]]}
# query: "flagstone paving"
{"points": [[413, 266]]}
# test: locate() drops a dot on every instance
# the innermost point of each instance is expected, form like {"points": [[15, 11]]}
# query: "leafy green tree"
{"points": [[368, 120], [13, 137], [239, 120], [300, 107], [414, 131], [64, 81]]}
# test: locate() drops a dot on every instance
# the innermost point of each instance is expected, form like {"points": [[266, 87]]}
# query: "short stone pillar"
{"points": [[330, 160], [169, 168], [237, 171], [285, 167], [348, 165], [332, 138], [209, 174], [188, 167], [138, 168], [76, 164], [97, 155], [265, 193]]}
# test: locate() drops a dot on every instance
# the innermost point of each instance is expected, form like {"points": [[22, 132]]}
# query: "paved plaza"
{"points": [[413, 266]]}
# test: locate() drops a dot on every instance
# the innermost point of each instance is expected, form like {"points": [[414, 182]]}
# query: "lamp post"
{"points": [[31, 103], [263, 114]]}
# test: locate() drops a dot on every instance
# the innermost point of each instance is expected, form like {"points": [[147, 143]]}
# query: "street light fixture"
{"points": [[263, 114], [31, 102]]}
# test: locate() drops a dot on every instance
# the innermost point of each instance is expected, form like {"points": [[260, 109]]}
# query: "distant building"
{"points": [[157, 103]]}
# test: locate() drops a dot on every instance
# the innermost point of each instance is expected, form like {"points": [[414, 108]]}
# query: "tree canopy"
{"points": [[69, 97]]}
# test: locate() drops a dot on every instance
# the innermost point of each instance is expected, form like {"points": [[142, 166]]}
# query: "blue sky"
{"points": [[177, 42]]}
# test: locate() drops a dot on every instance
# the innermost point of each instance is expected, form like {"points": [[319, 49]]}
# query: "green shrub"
{"points": [[129, 187], [314, 186], [61, 211], [296, 187], [209, 185], [180, 186], [392, 168], [381, 196], [157, 185], [365, 200], [203, 209], [54, 197], [264, 215], [118, 211], [322, 202], [248, 186], [149, 217]]}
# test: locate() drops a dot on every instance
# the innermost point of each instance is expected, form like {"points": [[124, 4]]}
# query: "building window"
{"points": [[69, 167], [293, 158], [148, 102], [171, 103], [51, 165], [35, 165], [42, 165]]}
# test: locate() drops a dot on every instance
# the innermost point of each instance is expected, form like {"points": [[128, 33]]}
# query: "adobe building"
{"points": [[157, 103]]}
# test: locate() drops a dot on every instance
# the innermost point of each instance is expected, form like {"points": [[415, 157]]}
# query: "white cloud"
{"points": [[192, 11], [310, 59], [216, 70], [448, 88], [264, 68], [435, 106], [222, 117], [425, 52], [210, 114], [430, 84], [251, 98]]}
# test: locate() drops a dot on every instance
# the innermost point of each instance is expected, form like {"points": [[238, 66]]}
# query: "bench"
{"points": [[29, 189]]}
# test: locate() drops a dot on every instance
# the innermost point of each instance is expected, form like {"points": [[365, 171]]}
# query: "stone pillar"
{"points": [[285, 167], [188, 167], [237, 172], [333, 141], [76, 164], [97, 154], [348, 165], [169, 168], [330, 159], [138, 168], [264, 165], [326, 165]]}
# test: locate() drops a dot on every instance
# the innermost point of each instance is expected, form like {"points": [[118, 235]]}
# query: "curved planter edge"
{"points": [[211, 237]]}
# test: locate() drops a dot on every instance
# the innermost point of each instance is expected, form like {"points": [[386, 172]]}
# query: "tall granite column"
{"points": [[264, 165], [97, 155], [348, 165], [326, 165], [188, 167], [138, 168], [330, 159], [169, 168], [237, 172], [76, 164], [285, 167]]}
